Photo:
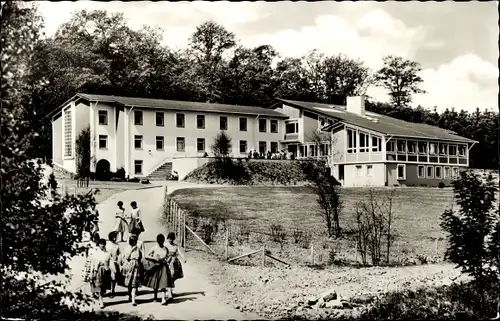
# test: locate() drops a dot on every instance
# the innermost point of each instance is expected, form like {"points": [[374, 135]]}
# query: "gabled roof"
{"points": [[379, 123], [175, 105]]}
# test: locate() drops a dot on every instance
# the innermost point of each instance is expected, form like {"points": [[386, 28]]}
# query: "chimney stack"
{"points": [[356, 105]]}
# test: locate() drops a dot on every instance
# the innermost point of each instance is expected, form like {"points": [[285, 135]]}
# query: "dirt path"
{"points": [[195, 295]]}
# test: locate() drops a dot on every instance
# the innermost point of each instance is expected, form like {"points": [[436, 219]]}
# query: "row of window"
{"points": [[68, 133], [412, 147], [200, 121], [423, 171], [181, 144], [367, 142]]}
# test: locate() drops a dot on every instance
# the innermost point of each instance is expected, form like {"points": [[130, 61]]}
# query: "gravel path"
{"points": [[195, 295]]}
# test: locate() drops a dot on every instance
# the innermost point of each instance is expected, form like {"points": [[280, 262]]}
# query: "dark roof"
{"points": [[177, 105], [379, 123]]}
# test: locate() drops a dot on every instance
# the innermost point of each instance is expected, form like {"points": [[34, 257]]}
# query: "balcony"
{"points": [[291, 137]]}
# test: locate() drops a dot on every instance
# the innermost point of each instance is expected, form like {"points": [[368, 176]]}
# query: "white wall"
{"points": [[377, 177]]}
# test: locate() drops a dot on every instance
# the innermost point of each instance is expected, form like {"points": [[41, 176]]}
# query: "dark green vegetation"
{"points": [[113, 59], [37, 236]]}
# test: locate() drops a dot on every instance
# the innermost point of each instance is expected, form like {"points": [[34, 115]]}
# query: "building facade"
{"points": [[141, 135], [367, 149], [361, 148]]}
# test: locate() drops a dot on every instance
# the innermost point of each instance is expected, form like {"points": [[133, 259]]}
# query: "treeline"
{"points": [[96, 52]]}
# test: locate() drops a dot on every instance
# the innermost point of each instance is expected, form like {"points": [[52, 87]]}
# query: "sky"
{"points": [[456, 43]]}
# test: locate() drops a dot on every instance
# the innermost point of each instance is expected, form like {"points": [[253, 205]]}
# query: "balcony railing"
{"points": [[291, 136]]}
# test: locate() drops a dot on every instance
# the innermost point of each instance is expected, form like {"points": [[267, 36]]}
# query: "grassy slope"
{"points": [[416, 222]]}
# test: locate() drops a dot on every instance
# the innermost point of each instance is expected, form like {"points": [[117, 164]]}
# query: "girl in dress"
{"points": [[92, 247], [114, 267], [131, 268], [173, 262], [120, 221], [100, 271], [135, 226], [158, 276]]}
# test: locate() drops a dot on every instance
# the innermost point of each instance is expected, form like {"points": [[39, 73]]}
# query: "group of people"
{"points": [[108, 265]]}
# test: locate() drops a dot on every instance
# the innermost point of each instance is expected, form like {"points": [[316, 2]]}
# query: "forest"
{"points": [[97, 52]]}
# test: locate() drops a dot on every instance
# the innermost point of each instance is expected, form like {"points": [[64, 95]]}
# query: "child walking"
{"points": [[131, 268], [174, 263], [114, 267], [120, 221], [100, 271], [158, 277]]}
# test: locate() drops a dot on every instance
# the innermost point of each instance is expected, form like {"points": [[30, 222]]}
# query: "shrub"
{"points": [[441, 185], [473, 230], [222, 145], [120, 173], [82, 151]]}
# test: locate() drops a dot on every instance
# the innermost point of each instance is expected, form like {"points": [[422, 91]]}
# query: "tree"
{"points": [[344, 77], [208, 45], [328, 192], [400, 77], [291, 80], [222, 145], [37, 236], [82, 150], [473, 230]]}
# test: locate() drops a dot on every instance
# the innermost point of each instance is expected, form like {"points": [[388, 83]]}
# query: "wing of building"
{"points": [[146, 136], [367, 149]]}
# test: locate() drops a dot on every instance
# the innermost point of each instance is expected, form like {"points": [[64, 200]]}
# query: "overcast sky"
{"points": [[456, 43]]}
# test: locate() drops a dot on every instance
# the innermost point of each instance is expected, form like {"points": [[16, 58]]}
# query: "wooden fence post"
{"points": [[264, 255], [227, 242], [312, 253]]}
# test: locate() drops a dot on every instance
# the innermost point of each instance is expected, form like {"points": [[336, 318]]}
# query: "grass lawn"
{"points": [[416, 213]]}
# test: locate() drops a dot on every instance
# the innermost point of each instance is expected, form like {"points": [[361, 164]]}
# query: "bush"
{"points": [[120, 173], [441, 185], [451, 302]]}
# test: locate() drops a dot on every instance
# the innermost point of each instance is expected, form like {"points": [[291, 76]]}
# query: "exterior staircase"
{"points": [[161, 173]]}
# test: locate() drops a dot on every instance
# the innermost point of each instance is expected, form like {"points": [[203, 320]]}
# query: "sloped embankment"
{"points": [[250, 172]]}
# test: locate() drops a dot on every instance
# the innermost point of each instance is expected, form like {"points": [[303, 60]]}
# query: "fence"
{"points": [[175, 220]]}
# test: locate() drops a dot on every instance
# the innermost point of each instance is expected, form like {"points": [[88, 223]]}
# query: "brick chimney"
{"points": [[356, 105]]}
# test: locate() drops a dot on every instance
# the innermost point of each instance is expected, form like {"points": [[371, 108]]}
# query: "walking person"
{"points": [[174, 263], [131, 268], [89, 252], [135, 227], [158, 276], [114, 251], [120, 221], [100, 272]]}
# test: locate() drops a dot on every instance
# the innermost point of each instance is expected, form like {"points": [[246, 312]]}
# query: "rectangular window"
{"points": [[103, 141], [422, 148], [138, 141], [401, 146], [138, 117], [160, 119], [200, 121], [243, 146], [453, 150], [433, 149], [181, 120], [369, 170], [292, 128], [412, 147], [103, 117], [262, 147], [447, 172], [223, 122], [455, 172], [312, 150], [461, 150], [243, 124], [200, 143], [68, 133], [262, 125], [443, 149], [390, 146], [181, 144], [438, 172], [138, 166], [376, 144], [359, 170], [274, 147], [274, 126], [363, 142], [430, 172], [421, 171], [351, 140], [401, 171], [160, 142]]}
